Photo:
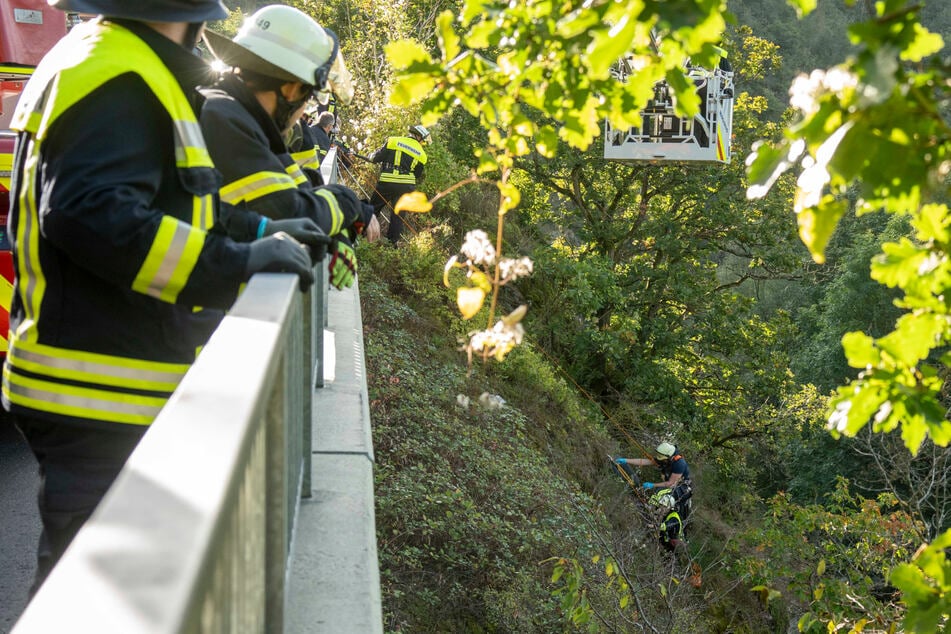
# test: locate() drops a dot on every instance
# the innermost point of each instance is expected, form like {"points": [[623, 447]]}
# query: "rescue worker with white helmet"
{"points": [[112, 203], [672, 465], [403, 161], [281, 59]]}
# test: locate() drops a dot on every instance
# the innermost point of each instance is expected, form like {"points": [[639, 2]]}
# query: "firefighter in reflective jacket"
{"points": [[402, 160], [282, 59], [670, 533], [113, 194]]}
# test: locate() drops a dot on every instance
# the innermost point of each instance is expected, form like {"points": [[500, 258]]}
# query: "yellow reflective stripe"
{"points": [[293, 170], [32, 283], [391, 177], [192, 156], [16, 70], [170, 261], [80, 402], [6, 169], [255, 186], [336, 214], [92, 367], [306, 158]]}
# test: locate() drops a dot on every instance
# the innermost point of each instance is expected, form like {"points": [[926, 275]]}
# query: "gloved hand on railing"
{"points": [[305, 231], [343, 263], [280, 253]]}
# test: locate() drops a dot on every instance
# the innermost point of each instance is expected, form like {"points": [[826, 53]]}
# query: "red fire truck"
{"points": [[28, 29]]}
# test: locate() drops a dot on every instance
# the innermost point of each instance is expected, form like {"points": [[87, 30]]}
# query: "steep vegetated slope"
{"points": [[476, 505]]}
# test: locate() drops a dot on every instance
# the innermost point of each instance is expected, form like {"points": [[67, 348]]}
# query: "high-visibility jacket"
{"points": [[671, 528], [403, 160], [258, 170], [113, 193]]}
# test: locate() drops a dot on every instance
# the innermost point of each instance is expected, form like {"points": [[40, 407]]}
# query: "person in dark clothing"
{"points": [[672, 465], [402, 162], [303, 149], [281, 58], [113, 202], [321, 132]]}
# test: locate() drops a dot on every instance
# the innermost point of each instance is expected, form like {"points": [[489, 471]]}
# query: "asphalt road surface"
{"points": [[19, 523]]}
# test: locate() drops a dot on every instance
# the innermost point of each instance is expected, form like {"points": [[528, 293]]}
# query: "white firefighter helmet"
{"points": [[665, 450], [282, 42], [420, 132], [664, 499]]}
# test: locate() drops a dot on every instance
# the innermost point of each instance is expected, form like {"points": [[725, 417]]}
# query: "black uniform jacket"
{"points": [[260, 176]]}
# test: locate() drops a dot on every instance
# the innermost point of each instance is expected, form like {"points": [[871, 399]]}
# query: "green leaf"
{"points": [[932, 223], [510, 197], [925, 43], [802, 7], [767, 163], [860, 350], [546, 141], [609, 46], [402, 53], [481, 34], [411, 89], [448, 39], [914, 337], [817, 224], [899, 263]]}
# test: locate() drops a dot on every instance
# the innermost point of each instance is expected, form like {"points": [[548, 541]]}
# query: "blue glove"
{"points": [[648, 485], [620, 460]]}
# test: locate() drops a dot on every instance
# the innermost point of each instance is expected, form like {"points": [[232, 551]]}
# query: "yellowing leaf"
{"points": [[469, 300], [402, 53], [515, 316], [447, 36], [510, 197], [480, 280], [412, 88], [416, 202], [821, 568]]}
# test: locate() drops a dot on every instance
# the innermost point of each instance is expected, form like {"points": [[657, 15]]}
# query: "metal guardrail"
{"points": [[197, 532]]}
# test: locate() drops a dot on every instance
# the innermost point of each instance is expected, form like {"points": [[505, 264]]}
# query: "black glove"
{"points": [[303, 230], [354, 210], [280, 253]]}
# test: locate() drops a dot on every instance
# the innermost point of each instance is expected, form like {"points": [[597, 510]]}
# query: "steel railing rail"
{"points": [[193, 535], [197, 532]]}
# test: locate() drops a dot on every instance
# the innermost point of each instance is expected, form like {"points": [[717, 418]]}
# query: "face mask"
{"points": [[285, 110]]}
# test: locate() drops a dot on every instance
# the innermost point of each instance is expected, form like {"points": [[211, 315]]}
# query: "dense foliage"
{"points": [[664, 304]]}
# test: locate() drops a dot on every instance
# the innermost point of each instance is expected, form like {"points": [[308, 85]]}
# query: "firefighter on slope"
{"points": [[402, 160], [113, 197], [281, 59]]}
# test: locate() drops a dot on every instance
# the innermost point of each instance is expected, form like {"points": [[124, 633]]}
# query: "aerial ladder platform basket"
{"points": [[664, 136]]}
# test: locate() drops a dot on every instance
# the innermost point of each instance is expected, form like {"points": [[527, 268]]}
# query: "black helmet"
{"points": [[149, 10]]}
